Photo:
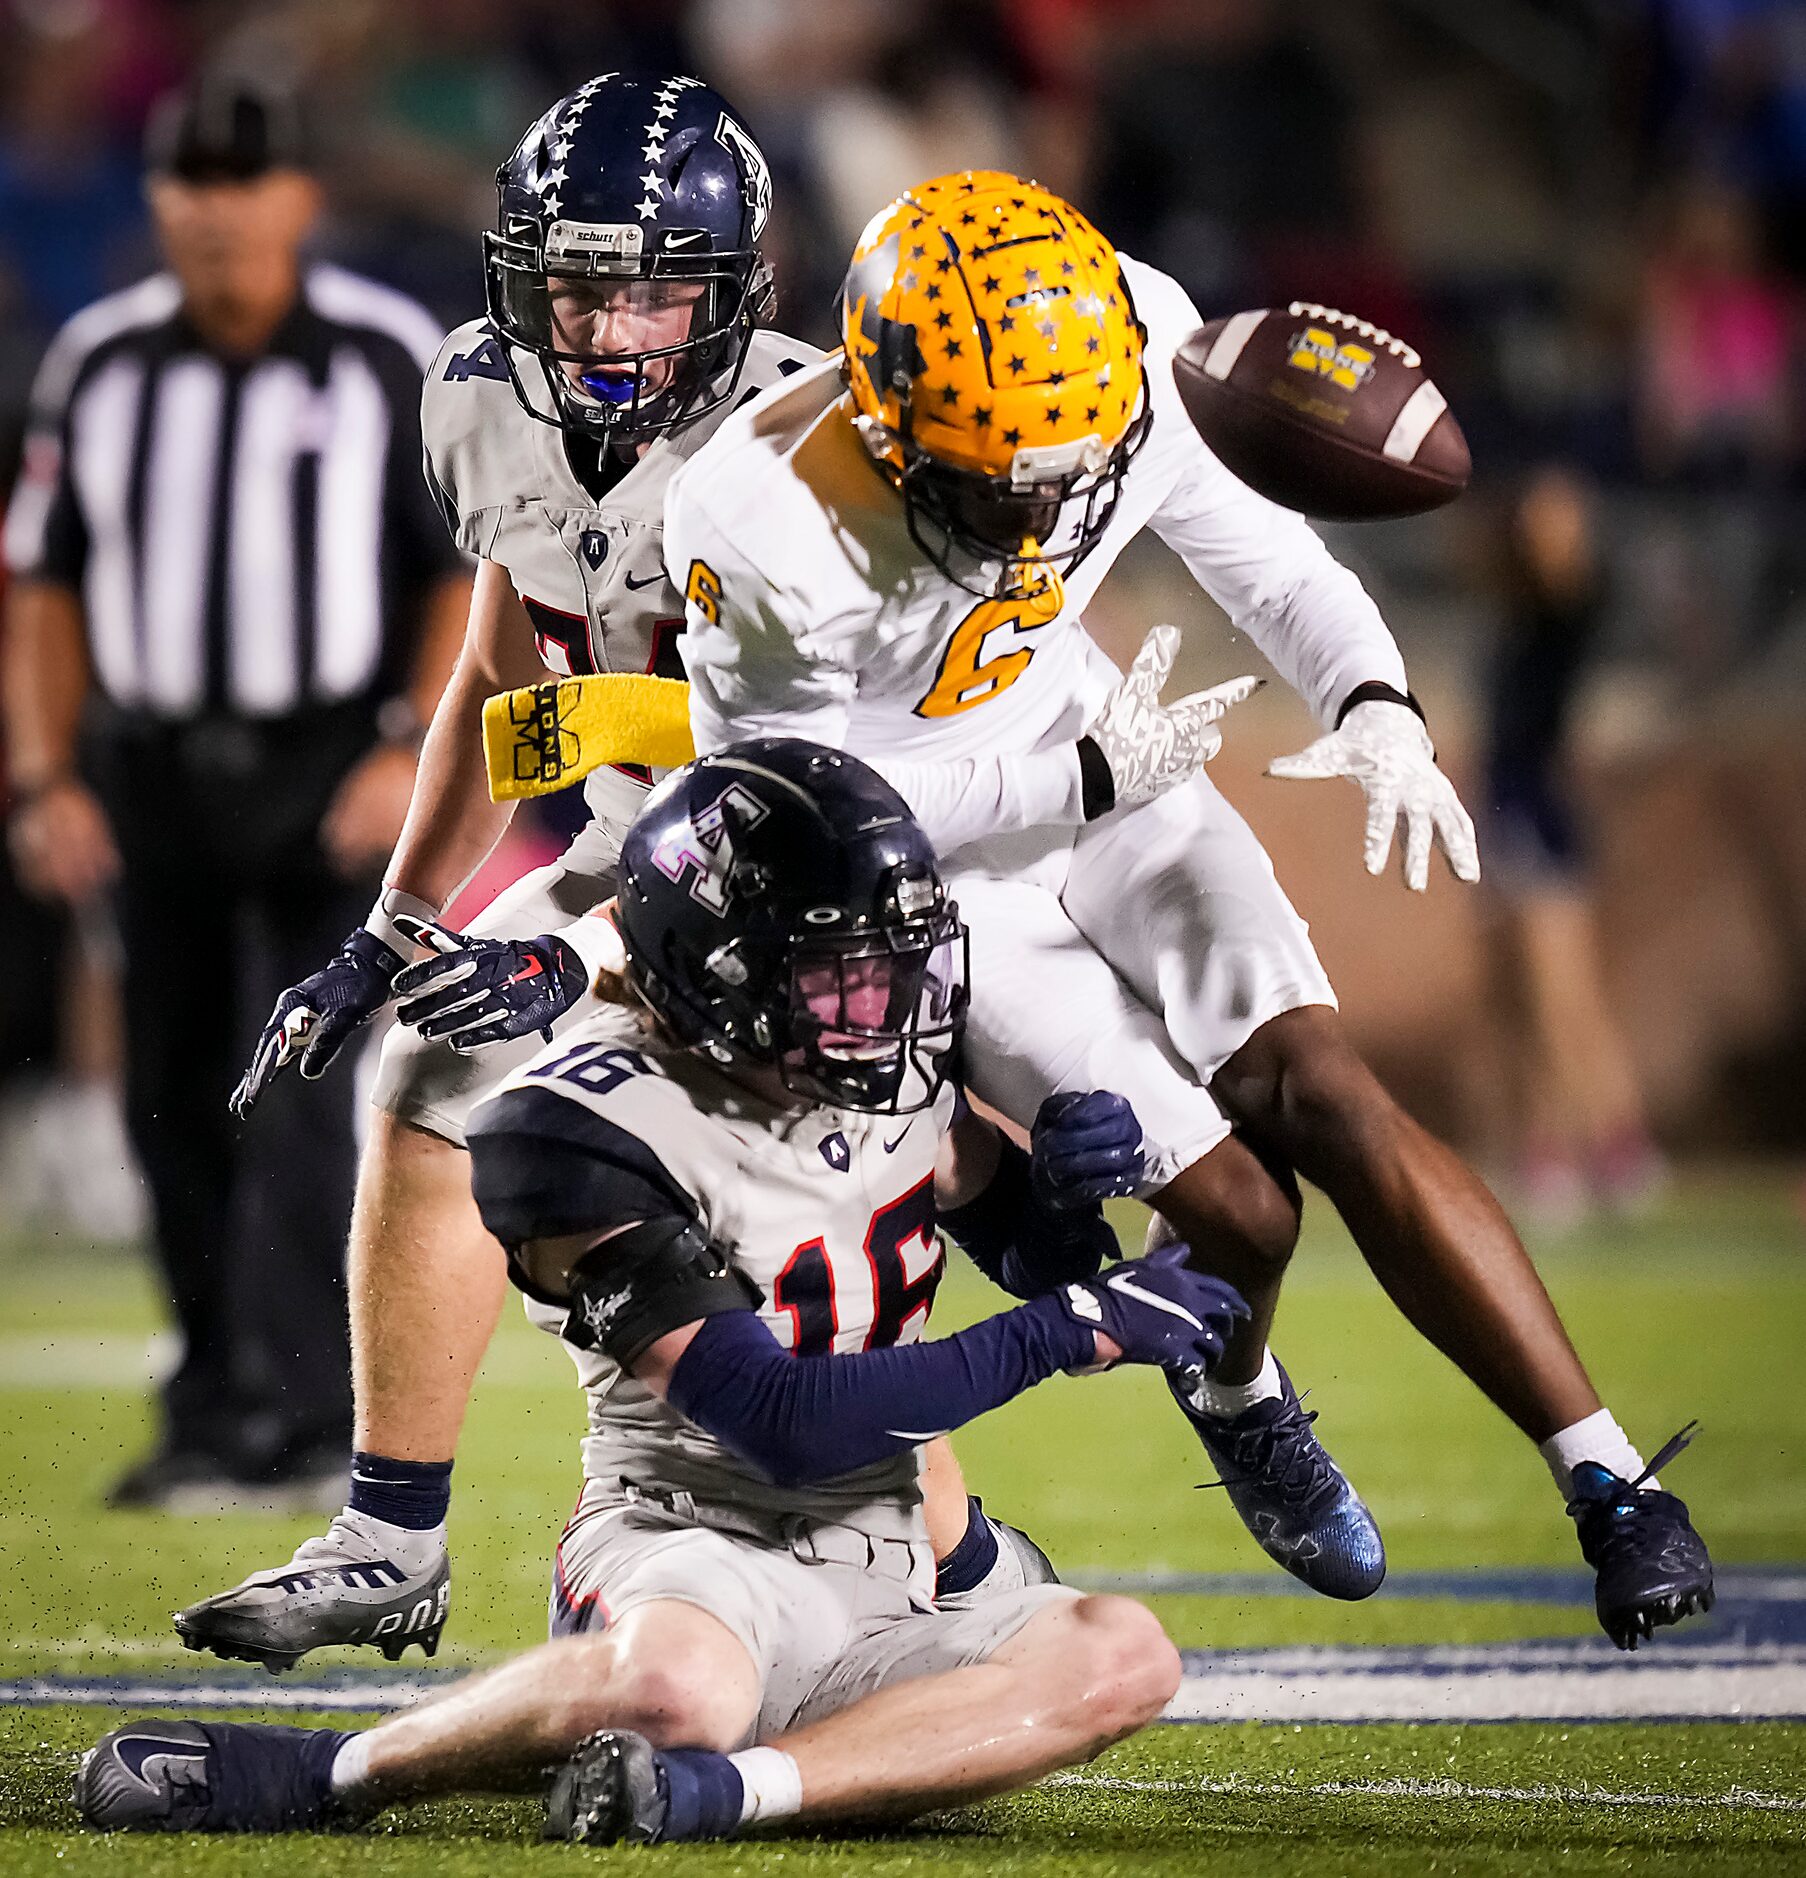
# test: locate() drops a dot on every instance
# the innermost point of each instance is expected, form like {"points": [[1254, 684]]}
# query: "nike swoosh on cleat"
{"points": [[144, 1757]]}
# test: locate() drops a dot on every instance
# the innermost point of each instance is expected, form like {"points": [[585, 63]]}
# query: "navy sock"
{"points": [[704, 1794], [415, 1494], [318, 1753], [969, 1561]]}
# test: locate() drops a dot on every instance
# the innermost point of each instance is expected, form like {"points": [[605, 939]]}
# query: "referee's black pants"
{"points": [[224, 900]]}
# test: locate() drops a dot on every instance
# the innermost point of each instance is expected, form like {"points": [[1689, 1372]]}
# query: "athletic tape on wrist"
{"points": [[597, 942], [381, 918]]}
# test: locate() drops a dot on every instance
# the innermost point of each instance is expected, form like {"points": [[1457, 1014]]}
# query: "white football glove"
{"points": [[1385, 748], [1151, 747]]}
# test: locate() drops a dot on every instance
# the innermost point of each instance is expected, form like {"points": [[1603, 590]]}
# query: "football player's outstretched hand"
{"points": [[1385, 748], [482, 991], [1155, 1310], [313, 1019], [1084, 1148], [1150, 747]]}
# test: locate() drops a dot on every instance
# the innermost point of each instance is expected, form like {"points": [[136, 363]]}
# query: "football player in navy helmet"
{"points": [[846, 971], [721, 1190], [626, 290], [625, 262]]}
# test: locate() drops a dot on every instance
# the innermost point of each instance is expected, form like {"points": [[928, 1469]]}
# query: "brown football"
{"points": [[1323, 412]]}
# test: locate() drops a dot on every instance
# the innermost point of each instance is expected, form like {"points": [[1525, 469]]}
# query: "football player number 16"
{"points": [[987, 652], [892, 1287]]}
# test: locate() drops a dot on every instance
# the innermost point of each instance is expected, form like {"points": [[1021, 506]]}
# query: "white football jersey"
{"points": [[828, 1214], [812, 612], [590, 574]]}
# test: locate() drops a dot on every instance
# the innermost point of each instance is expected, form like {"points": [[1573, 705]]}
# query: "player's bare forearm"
{"points": [[44, 681], [967, 1161], [451, 823]]}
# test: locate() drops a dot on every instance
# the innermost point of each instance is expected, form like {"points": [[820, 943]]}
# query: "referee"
{"points": [[232, 608]]}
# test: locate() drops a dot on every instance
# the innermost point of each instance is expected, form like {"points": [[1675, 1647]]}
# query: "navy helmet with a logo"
{"points": [[631, 179], [780, 905]]}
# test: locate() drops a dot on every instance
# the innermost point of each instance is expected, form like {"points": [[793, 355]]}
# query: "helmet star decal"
{"points": [[629, 180], [1019, 307]]}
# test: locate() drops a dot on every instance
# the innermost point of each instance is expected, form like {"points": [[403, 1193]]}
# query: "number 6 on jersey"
{"points": [[990, 649]]}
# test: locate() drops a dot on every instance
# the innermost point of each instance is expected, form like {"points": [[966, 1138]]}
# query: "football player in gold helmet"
{"points": [[1008, 376], [994, 360]]}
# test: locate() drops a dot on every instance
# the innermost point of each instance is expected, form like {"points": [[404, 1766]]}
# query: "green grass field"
{"points": [[1700, 1311]]}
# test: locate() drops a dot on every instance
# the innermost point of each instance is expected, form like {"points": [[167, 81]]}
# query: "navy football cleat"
{"points": [[1652, 1567], [182, 1776], [612, 1791], [1292, 1497]]}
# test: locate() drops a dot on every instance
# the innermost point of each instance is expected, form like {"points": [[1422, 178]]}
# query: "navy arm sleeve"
{"points": [[802, 1419], [1021, 1245], [543, 1167]]}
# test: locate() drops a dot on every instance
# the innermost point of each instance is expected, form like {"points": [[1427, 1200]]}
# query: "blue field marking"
{"points": [[1756, 1603], [223, 1686], [1745, 1662]]}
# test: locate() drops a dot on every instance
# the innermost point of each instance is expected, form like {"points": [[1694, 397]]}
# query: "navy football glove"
{"points": [[1084, 1149], [1158, 1311], [486, 991], [313, 1019]]}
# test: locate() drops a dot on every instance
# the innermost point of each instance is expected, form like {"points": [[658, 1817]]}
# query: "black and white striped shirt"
{"points": [[250, 538]]}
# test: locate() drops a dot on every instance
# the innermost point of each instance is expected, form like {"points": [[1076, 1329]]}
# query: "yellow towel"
{"points": [[541, 737]]}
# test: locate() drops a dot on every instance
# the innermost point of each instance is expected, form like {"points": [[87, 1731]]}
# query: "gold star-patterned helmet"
{"points": [[993, 358]]}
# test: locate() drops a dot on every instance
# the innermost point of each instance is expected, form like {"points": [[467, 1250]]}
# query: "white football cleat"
{"points": [[361, 1581]]}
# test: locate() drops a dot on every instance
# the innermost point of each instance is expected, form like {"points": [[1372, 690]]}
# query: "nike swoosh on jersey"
{"points": [[651, 580], [890, 1147]]}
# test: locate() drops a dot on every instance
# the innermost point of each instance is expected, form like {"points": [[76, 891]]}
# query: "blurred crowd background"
{"points": [[1589, 215]]}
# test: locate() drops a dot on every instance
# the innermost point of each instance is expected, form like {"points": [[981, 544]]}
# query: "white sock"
{"points": [[414, 1549], [351, 1765], [1226, 1399], [774, 1786], [1597, 1437]]}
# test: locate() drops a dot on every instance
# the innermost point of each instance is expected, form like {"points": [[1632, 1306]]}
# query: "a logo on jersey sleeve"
{"points": [[704, 846], [836, 1153]]}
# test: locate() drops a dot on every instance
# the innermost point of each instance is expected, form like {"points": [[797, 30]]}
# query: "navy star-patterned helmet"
{"points": [[625, 263], [780, 905]]}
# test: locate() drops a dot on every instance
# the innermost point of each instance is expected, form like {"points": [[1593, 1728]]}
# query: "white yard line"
{"points": [[1737, 1799], [179, 1698], [100, 1360], [1327, 1692]]}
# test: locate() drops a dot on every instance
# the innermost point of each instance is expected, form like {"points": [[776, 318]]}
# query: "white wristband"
{"points": [[596, 941], [381, 918]]}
